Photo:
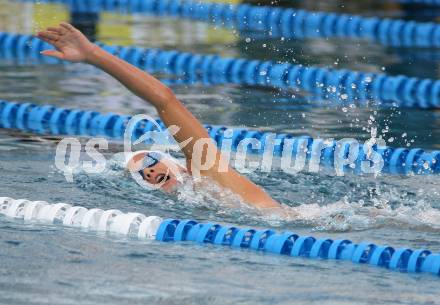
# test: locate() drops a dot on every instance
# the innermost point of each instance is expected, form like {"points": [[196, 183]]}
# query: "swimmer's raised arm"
{"points": [[71, 45]]}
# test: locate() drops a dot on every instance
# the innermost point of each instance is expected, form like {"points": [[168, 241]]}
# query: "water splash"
{"points": [[316, 201]]}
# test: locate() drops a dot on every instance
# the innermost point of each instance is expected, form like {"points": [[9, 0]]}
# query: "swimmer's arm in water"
{"points": [[72, 45]]}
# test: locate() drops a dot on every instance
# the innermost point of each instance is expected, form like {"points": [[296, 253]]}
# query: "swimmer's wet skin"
{"points": [[71, 45]]}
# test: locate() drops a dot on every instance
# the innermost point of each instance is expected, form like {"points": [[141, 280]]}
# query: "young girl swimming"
{"points": [[154, 167]]}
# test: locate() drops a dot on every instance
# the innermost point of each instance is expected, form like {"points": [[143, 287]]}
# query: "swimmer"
{"points": [[154, 167]]}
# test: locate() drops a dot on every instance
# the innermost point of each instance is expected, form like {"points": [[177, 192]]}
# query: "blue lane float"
{"points": [[340, 85], [287, 22], [288, 243], [420, 2], [294, 245], [48, 119]]}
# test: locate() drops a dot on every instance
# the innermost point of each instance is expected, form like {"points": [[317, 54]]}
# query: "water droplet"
{"points": [[426, 165]]}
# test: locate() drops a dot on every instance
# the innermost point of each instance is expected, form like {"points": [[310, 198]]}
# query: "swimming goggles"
{"points": [[150, 160]]}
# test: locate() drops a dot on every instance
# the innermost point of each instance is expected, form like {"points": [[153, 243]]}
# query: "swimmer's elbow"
{"points": [[162, 98], [168, 97]]}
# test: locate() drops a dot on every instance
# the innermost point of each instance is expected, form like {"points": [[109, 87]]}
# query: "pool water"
{"points": [[56, 265]]}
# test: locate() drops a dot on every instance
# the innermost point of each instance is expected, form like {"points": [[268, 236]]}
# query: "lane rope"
{"points": [[137, 225], [49, 119], [419, 2], [339, 85], [276, 21]]}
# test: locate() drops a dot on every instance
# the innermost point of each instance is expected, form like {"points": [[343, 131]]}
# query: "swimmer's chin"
{"points": [[171, 189], [173, 186]]}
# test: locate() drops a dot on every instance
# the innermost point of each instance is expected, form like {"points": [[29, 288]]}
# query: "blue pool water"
{"points": [[54, 265]]}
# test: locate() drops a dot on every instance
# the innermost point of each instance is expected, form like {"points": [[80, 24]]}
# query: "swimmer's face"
{"points": [[164, 172]]}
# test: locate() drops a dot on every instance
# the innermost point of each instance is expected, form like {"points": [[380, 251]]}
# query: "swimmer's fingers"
{"points": [[58, 30], [50, 37], [67, 26], [46, 40], [53, 53]]}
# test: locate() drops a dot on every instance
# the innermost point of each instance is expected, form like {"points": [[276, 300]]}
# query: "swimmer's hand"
{"points": [[70, 44]]}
